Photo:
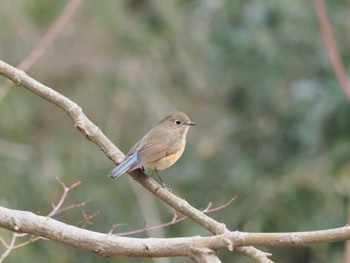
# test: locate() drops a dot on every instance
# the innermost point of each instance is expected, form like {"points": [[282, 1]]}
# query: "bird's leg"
{"points": [[161, 182], [142, 170]]}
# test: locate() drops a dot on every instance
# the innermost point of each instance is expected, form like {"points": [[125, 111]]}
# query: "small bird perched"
{"points": [[160, 148]]}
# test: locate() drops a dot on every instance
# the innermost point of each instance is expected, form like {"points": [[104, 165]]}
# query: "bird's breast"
{"points": [[168, 160]]}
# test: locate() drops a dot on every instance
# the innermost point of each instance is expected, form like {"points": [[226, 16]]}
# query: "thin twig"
{"points": [[9, 248], [176, 219], [50, 35], [56, 209], [221, 206], [26, 243], [69, 207], [331, 45], [87, 218], [3, 242]]}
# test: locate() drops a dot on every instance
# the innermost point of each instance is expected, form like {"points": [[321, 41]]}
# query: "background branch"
{"points": [[176, 219], [50, 36], [331, 46]]}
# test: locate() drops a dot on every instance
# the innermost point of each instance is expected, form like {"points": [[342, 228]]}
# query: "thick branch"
{"points": [[291, 238], [103, 244], [82, 123], [195, 247]]}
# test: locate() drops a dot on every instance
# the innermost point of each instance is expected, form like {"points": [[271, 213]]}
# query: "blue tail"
{"points": [[124, 166]]}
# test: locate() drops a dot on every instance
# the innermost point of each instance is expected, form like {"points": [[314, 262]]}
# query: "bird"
{"points": [[160, 148]]}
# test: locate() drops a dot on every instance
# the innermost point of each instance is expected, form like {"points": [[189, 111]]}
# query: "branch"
{"points": [[50, 36], [40, 49], [176, 219], [111, 245], [82, 123], [56, 209], [103, 244], [332, 49]]}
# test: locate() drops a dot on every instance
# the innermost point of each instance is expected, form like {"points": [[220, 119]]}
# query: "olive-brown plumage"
{"points": [[160, 148]]}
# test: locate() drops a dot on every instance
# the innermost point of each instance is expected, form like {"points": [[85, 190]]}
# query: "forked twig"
{"points": [[56, 209], [87, 218], [176, 219]]}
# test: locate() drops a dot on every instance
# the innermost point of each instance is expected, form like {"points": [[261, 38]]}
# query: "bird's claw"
{"points": [[164, 187]]}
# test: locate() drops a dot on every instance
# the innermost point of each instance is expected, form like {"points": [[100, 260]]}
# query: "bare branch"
{"points": [[332, 49], [82, 123], [87, 218], [2, 241], [50, 36], [9, 248], [103, 244], [69, 207], [56, 209], [31, 240], [176, 219], [211, 210], [40, 49], [109, 245]]}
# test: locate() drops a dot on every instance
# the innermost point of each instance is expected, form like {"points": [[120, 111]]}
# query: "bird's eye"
{"points": [[178, 123]]}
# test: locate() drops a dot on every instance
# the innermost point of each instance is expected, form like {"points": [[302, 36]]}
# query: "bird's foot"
{"points": [[164, 187]]}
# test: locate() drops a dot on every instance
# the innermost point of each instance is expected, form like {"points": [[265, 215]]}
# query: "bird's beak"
{"points": [[191, 123]]}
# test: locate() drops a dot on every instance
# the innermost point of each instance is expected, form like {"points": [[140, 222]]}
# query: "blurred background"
{"points": [[273, 120]]}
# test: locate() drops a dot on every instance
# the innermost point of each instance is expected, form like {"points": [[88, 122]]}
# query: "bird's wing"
{"points": [[154, 147]]}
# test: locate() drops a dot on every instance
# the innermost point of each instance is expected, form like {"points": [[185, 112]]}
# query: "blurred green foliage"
{"points": [[274, 123]]}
